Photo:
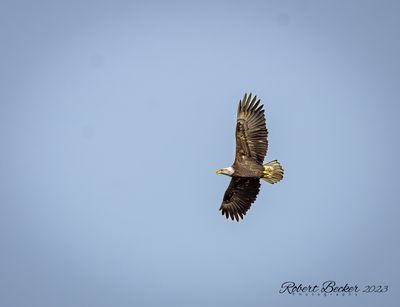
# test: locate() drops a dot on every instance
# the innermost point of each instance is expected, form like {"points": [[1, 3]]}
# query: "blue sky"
{"points": [[115, 115]]}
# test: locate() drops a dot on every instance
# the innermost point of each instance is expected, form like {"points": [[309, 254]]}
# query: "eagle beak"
{"points": [[219, 171]]}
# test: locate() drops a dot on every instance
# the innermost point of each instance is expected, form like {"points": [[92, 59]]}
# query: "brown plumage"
{"points": [[239, 196], [248, 167]]}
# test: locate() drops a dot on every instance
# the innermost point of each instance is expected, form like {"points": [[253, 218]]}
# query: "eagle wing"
{"points": [[251, 131], [239, 196]]}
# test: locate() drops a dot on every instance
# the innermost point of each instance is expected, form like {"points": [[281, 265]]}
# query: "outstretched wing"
{"points": [[239, 196], [251, 131]]}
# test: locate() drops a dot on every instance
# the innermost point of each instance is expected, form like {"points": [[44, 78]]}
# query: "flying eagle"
{"points": [[248, 168]]}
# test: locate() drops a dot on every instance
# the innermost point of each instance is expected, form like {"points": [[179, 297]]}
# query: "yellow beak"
{"points": [[219, 171]]}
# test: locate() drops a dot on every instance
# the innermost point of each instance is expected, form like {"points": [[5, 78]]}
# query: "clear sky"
{"points": [[115, 115]]}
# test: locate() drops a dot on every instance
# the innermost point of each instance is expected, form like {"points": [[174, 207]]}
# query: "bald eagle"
{"points": [[248, 168]]}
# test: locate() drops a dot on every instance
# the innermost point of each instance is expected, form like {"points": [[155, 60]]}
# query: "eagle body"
{"points": [[248, 167]]}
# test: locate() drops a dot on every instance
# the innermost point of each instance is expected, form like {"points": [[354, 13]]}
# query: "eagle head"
{"points": [[228, 171]]}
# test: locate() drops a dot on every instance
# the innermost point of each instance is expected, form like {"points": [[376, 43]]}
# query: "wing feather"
{"points": [[251, 131], [239, 196]]}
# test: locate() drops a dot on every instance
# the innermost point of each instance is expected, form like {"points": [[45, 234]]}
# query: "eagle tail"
{"points": [[273, 172]]}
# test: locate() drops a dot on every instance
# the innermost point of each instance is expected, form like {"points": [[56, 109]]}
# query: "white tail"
{"points": [[273, 172]]}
